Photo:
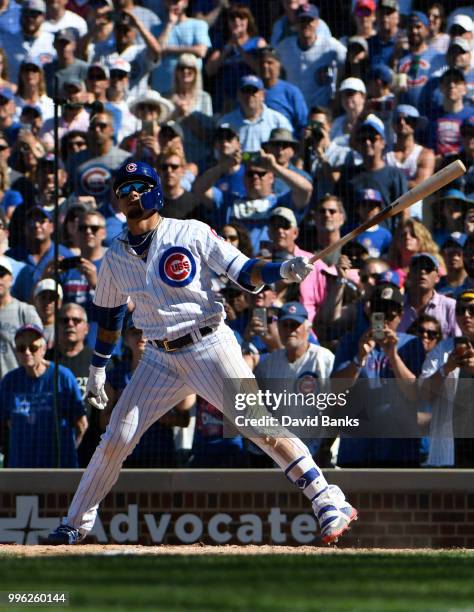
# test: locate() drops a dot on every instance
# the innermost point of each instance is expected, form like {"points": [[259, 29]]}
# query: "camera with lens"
{"points": [[317, 130]]}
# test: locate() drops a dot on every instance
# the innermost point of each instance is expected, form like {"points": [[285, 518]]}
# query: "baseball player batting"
{"points": [[165, 266]]}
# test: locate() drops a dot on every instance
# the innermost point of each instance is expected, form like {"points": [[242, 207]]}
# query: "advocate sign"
{"points": [[26, 527]]}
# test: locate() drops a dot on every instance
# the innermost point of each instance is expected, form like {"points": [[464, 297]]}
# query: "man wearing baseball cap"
{"points": [[299, 364], [417, 63], [280, 95], [455, 279], [34, 439], [310, 60], [284, 146], [253, 120], [459, 56], [376, 240], [421, 296], [382, 45], [13, 314], [416, 161], [287, 24], [66, 65], [31, 41], [353, 96], [368, 358], [369, 141]]}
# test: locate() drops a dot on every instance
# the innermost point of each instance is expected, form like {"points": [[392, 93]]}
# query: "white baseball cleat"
{"points": [[335, 515]]}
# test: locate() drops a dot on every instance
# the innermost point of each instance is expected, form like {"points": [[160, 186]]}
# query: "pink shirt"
{"points": [[314, 287]]}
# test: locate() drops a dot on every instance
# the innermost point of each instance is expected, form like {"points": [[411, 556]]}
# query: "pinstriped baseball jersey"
{"points": [[172, 289]]}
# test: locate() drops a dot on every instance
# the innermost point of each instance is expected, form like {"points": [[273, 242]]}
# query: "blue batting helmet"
{"points": [[139, 171]]}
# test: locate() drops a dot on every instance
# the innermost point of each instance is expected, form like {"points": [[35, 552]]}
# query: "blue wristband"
{"points": [[271, 273], [102, 353]]}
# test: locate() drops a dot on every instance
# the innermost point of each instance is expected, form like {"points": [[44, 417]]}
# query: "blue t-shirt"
{"points": [[444, 134], [288, 100], [28, 404], [380, 51], [376, 242], [31, 273], [233, 183], [375, 397], [418, 67]]}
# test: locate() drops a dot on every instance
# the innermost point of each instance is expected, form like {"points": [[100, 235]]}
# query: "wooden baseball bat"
{"points": [[423, 190]]}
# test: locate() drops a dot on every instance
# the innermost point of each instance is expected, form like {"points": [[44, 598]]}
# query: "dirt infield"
{"points": [[17, 550]]}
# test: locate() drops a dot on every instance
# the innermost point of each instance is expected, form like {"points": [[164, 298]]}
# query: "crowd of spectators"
{"points": [[283, 125]]}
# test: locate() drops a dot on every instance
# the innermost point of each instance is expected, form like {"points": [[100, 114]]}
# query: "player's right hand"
{"points": [[95, 388]]}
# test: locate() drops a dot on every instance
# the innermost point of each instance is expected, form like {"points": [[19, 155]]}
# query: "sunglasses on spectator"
{"points": [[431, 334], [252, 173], [463, 309], [30, 13], [98, 124], [364, 278], [168, 166], [33, 348], [137, 186], [411, 121], [3, 147], [93, 228], [323, 211], [76, 143], [367, 136], [118, 74], [280, 223], [37, 219], [249, 90], [74, 320]]}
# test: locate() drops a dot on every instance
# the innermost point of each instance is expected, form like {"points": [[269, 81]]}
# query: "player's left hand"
{"points": [[296, 270]]}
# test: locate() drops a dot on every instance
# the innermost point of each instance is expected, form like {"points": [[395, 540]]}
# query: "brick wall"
{"points": [[413, 508]]}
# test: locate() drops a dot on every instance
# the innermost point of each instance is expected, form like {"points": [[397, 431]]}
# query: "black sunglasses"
{"points": [[431, 334], [462, 309], [93, 228], [166, 167], [252, 173], [34, 348]]}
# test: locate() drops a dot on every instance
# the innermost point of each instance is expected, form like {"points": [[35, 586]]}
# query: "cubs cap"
{"points": [[250, 80], [6, 94], [65, 34], [419, 17], [390, 4], [372, 121], [308, 10], [461, 20], [455, 194], [286, 213], [383, 293], [368, 195], [462, 43], [293, 311], [353, 84], [5, 264], [381, 72], [29, 327], [37, 210], [48, 284], [359, 40], [34, 5], [424, 258], [391, 277], [456, 239], [223, 128], [269, 52]]}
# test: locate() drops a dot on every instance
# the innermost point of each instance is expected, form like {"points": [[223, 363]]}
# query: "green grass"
{"points": [[326, 583]]}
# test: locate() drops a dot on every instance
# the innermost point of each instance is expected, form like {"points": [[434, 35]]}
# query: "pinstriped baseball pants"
{"points": [[160, 381]]}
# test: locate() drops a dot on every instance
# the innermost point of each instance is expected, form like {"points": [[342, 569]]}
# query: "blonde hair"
{"points": [[169, 151], [197, 87], [425, 240]]}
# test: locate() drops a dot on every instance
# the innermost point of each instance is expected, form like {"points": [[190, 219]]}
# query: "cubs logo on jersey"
{"points": [[307, 383], [177, 267], [131, 167]]}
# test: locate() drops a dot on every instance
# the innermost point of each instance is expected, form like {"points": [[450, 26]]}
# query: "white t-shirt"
{"points": [[69, 21]]}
